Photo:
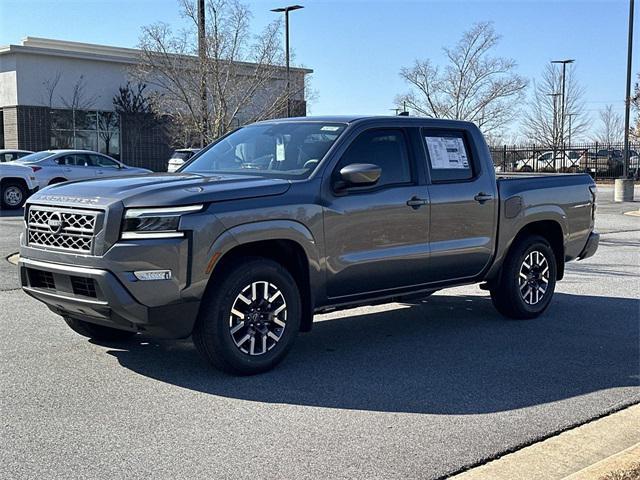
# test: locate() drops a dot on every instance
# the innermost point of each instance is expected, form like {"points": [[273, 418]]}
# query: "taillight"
{"points": [[594, 194], [35, 169]]}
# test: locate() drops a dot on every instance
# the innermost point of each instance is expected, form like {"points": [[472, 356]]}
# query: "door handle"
{"points": [[416, 202], [483, 197]]}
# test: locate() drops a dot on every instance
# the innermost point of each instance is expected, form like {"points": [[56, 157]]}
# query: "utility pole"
{"points": [[623, 191], [286, 11], [562, 107], [202, 58]]}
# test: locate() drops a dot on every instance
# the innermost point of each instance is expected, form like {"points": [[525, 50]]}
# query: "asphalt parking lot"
{"points": [[398, 391]]}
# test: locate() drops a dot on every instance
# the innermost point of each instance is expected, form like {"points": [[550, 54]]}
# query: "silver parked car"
{"points": [[56, 166]]}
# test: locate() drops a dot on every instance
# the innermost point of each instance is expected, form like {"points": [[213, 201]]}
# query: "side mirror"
{"points": [[358, 175]]}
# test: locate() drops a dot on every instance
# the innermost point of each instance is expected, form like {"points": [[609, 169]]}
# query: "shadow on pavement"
{"points": [[17, 212], [452, 355]]}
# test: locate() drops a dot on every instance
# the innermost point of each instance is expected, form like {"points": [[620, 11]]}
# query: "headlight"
{"points": [[154, 222]]}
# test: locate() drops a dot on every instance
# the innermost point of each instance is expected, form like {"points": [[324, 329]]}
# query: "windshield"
{"points": [[34, 157], [281, 150]]}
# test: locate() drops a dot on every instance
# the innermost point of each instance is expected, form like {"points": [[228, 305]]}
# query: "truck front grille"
{"points": [[62, 229]]}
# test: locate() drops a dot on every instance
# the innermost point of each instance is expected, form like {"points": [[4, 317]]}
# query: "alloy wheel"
{"points": [[258, 318], [533, 278], [13, 196]]}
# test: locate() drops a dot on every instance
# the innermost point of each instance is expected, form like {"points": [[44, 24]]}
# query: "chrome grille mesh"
{"points": [[63, 229]]}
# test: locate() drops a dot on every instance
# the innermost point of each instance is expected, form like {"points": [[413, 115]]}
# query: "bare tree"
{"points": [[239, 68], [137, 114], [79, 98], [50, 86], [611, 129], [541, 123], [473, 85], [635, 105]]}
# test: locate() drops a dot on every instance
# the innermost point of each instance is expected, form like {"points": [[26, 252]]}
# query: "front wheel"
{"points": [[527, 280], [249, 318], [14, 195]]}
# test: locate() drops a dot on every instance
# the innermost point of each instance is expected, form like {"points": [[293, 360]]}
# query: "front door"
{"points": [[377, 238]]}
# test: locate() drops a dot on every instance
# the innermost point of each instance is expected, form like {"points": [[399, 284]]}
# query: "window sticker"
{"points": [[447, 152], [330, 128]]}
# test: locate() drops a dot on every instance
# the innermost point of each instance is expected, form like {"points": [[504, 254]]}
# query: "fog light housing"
{"points": [[152, 275]]}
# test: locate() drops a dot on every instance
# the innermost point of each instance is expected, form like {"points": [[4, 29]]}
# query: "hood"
{"points": [[160, 189]]}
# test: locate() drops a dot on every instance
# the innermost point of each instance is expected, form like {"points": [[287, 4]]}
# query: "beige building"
{"points": [[58, 94]]}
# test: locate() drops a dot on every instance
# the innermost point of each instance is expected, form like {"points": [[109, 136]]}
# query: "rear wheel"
{"points": [[97, 332], [14, 194], [527, 280], [249, 320]]}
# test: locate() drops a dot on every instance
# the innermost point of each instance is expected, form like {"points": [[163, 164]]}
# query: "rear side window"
{"points": [[448, 156], [385, 148]]}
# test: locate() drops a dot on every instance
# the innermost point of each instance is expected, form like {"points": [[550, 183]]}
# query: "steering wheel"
{"points": [[311, 163]]}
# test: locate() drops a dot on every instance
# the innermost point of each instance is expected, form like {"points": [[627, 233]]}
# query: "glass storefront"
{"points": [[86, 130]]}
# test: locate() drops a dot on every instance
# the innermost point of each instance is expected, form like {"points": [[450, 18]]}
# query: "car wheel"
{"points": [[527, 169], [14, 195], [250, 317], [97, 332], [527, 279], [57, 180]]}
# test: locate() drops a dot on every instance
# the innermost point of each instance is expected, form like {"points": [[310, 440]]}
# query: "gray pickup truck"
{"points": [[283, 219]]}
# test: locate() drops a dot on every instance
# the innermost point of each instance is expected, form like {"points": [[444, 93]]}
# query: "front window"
{"points": [[281, 150]]}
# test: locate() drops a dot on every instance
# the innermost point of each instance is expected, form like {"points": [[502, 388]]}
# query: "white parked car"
{"points": [[179, 157], [17, 182], [545, 162], [9, 155], [55, 166]]}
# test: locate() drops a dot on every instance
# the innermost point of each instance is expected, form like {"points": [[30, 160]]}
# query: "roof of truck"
{"points": [[358, 118]]}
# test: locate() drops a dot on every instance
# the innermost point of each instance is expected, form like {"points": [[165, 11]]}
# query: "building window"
{"points": [[86, 130]]}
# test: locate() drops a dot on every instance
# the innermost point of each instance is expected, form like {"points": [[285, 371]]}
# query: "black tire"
{"points": [[527, 169], [213, 336], [520, 297], [57, 180], [97, 332], [14, 194]]}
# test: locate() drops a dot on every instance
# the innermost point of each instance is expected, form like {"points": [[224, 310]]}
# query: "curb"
{"points": [[597, 443]]}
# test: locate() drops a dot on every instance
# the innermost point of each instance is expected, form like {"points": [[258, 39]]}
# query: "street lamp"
{"points": [[286, 11], [564, 68]]}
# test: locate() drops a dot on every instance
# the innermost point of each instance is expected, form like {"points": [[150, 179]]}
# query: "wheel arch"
{"points": [[552, 231], [55, 180], [288, 243]]}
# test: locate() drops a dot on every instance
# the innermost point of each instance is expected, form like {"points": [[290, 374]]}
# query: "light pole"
{"points": [[570, 115], [554, 134], [623, 191], [202, 52], [286, 11], [564, 70]]}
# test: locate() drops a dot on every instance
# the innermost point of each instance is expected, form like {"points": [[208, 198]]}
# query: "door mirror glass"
{"points": [[359, 175]]}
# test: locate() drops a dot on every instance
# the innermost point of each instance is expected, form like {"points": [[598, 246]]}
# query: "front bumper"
{"points": [[592, 245], [96, 295]]}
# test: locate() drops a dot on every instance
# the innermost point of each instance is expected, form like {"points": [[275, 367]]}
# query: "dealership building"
{"points": [[59, 94]]}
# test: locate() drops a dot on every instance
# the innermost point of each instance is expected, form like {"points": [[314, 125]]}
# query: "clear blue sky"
{"points": [[357, 47]]}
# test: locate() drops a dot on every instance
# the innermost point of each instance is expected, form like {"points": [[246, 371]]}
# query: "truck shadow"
{"points": [[450, 355]]}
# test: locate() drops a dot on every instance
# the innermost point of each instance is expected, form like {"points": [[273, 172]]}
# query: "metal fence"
{"points": [[601, 161]]}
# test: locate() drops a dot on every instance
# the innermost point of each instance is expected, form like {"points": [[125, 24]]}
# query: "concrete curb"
{"points": [[566, 455]]}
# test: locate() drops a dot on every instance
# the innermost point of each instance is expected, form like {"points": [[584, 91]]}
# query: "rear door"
{"points": [[464, 205], [377, 238]]}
